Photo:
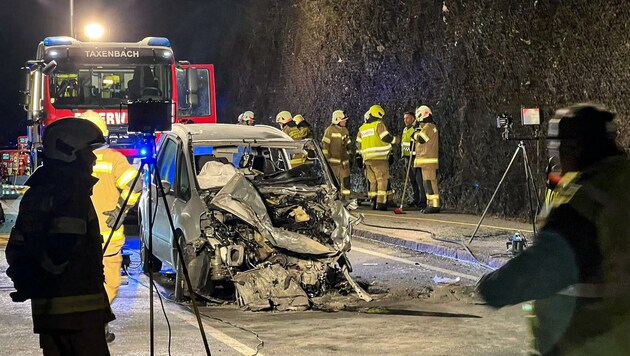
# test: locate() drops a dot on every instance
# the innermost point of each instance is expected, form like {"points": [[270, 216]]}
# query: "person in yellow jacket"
{"points": [[374, 144], [578, 269], [336, 149], [427, 145], [305, 128], [115, 176], [408, 146], [285, 120]]}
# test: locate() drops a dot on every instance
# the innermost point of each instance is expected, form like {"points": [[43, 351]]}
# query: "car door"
{"points": [[166, 168]]}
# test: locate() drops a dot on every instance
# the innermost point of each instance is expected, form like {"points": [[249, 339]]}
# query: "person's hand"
{"points": [[111, 218], [359, 160]]}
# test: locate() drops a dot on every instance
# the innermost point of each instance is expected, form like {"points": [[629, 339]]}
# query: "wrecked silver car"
{"points": [[252, 209]]}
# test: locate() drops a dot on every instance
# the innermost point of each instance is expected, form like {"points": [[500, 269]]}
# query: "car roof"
{"points": [[229, 132]]}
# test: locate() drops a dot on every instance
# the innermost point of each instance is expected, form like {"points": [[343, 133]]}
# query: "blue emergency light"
{"points": [[159, 41], [58, 41]]}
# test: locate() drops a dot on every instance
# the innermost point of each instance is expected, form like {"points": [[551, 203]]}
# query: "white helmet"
{"points": [[298, 118], [283, 117], [338, 116], [246, 118], [64, 137], [422, 112]]}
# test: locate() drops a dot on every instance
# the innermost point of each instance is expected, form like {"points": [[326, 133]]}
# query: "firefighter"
{"points": [[427, 141], [374, 144], [305, 128], [287, 125], [115, 178], [578, 268], [408, 152], [246, 118], [54, 250], [336, 148]]}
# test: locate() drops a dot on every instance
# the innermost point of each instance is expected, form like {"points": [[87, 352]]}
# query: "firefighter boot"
{"points": [[109, 336]]}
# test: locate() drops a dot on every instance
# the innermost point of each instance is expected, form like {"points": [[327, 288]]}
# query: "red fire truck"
{"points": [[69, 77]]}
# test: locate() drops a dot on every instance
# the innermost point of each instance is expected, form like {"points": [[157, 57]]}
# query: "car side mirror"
{"points": [[167, 188]]}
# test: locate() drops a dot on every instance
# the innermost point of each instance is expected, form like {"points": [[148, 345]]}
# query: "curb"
{"points": [[437, 250]]}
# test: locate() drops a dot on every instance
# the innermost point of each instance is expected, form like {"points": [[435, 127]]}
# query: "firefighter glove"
{"points": [[112, 215], [359, 160]]}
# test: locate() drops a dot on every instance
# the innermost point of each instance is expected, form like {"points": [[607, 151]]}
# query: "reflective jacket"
{"points": [[374, 142], [305, 130], [406, 141], [578, 269], [336, 145], [292, 130], [115, 176], [427, 142], [55, 254]]}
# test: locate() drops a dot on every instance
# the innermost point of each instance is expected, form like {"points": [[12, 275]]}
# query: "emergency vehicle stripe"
{"points": [[68, 225], [71, 304]]}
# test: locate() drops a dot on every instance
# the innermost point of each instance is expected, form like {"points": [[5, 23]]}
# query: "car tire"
{"points": [[180, 292], [145, 254]]}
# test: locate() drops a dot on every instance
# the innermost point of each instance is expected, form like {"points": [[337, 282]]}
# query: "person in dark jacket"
{"points": [[55, 251], [578, 269]]}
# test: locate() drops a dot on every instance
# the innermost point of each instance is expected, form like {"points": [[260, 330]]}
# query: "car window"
{"points": [[183, 181], [166, 161]]}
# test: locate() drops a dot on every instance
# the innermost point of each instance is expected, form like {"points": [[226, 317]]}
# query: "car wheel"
{"points": [[146, 255], [180, 281]]}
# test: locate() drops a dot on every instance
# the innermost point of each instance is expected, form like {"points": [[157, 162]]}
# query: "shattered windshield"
{"points": [[297, 163], [107, 85]]}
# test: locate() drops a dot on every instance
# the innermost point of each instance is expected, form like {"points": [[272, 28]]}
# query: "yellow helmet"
{"points": [[97, 120], [283, 117], [298, 118], [338, 116], [422, 112], [377, 111]]}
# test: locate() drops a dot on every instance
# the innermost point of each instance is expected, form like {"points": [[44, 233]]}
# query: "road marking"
{"points": [[413, 263], [447, 222], [219, 335]]}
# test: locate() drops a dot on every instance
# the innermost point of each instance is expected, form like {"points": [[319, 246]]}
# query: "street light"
{"points": [[94, 31]]}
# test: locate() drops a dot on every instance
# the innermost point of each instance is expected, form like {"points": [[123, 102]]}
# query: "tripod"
{"points": [[531, 185], [150, 163]]}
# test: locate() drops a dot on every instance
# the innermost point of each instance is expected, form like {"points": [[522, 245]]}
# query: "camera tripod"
{"points": [[531, 185], [150, 163]]}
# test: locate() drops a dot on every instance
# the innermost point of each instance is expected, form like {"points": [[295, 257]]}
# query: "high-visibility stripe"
{"points": [[383, 149], [336, 135], [326, 139], [102, 167], [334, 160], [383, 134], [68, 225], [126, 178], [118, 234], [345, 191], [381, 192], [325, 151], [424, 136], [66, 305], [420, 160], [371, 194], [359, 139]]}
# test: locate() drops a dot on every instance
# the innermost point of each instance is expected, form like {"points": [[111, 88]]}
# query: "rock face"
{"points": [[467, 60]]}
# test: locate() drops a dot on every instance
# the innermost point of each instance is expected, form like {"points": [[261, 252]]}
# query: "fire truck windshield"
{"points": [[106, 86]]}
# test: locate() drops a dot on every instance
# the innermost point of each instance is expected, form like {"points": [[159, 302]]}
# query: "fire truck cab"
{"points": [[69, 77]]}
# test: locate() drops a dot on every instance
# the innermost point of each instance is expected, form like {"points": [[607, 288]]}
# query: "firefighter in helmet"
{"points": [[578, 268], [374, 144], [427, 141], [287, 125], [246, 118], [115, 178], [337, 149], [305, 128], [55, 248]]}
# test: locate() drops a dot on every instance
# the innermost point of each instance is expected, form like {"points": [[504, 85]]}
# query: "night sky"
{"points": [[192, 26]]}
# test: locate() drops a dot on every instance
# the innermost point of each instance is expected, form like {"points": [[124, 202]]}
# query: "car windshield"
{"points": [[293, 163], [106, 86]]}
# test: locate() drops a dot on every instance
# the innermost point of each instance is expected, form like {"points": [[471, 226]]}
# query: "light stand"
{"points": [[531, 185], [150, 162]]}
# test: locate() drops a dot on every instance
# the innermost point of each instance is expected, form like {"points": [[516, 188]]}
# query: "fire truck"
{"points": [[69, 77]]}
